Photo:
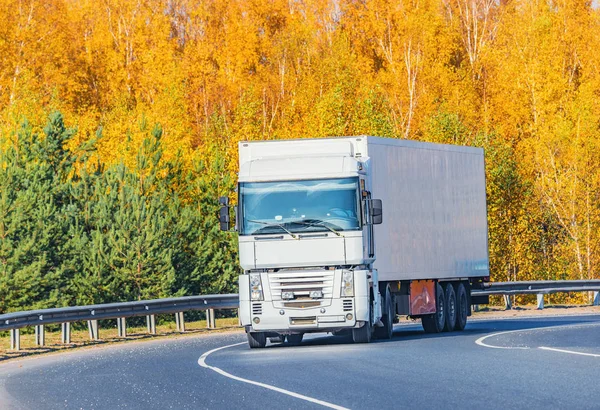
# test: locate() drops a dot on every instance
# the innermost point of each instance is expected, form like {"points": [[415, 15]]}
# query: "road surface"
{"points": [[528, 363]]}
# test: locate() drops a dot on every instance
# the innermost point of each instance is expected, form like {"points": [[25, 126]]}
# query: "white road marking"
{"points": [[481, 339], [568, 351], [202, 363], [481, 342]]}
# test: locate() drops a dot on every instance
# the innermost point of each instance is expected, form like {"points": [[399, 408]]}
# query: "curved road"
{"points": [[542, 362]]}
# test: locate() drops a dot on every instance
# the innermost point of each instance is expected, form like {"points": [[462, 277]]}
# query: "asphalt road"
{"points": [[542, 362]]}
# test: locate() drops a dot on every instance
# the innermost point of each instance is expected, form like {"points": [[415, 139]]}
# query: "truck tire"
{"points": [[435, 323], [450, 308], [363, 334], [256, 339], [462, 307], [387, 318], [295, 339]]}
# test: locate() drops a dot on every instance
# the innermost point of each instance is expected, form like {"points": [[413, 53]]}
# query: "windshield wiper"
{"points": [[320, 223], [273, 224]]}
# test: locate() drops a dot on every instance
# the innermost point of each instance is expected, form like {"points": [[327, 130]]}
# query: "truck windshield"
{"points": [[320, 205]]}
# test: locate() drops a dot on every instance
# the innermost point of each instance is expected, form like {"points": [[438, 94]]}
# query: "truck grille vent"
{"points": [[301, 283], [347, 305], [257, 308]]}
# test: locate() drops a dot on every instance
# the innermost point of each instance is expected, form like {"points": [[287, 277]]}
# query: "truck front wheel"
{"points": [[256, 339], [363, 334], [295, 339], [435, 323], [386, 331]]}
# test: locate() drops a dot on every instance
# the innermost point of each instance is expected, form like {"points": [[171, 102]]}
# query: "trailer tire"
{"points": [[462, 307], [450, 308], [256, 339], [295, 339], [363, 334], [387, 318], [435, 323]]}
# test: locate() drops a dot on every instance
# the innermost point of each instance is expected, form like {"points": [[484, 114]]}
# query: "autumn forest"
{"points": [[119, 123]]}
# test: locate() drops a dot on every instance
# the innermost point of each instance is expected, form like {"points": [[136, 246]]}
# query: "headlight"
{"points": [[256, 292], [254, 279], [347, 283]]}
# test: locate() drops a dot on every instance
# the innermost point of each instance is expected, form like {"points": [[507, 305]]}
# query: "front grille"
{"points": [[301, 283], [347, 304], [257, 308]]}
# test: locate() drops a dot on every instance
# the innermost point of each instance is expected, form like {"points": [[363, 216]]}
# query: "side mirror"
{"points": [[224, 219], [376, 211]]}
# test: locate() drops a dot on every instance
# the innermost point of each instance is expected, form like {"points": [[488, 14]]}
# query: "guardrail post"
{"points": [[65, 332], [40, 335], [179, 322], [210, 319], [507, 302], [540, 301], [15, 339], [596, 298], [151, 324], [121, 327], [93, 329]]}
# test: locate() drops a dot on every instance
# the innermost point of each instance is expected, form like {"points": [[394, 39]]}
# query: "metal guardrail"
{"points": [[120, 311], [149, 308], [540, 288]]}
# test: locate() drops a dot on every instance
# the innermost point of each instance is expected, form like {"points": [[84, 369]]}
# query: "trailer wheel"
{"points": [[387, 318], [363, 334], [435, 323], [462, 307], [256, 339], [450, 308], [295, 339]]}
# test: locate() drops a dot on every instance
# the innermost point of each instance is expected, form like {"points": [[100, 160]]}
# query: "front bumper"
{"points": [[340, 314], [334, 313]]}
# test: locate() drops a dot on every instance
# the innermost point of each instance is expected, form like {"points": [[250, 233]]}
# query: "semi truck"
{"points": [[345, 235]]}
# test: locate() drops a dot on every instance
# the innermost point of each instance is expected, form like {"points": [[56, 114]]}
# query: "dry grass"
{"points": [[532, 310]]}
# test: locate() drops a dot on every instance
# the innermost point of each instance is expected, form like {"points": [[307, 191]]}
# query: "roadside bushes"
{"points": [[73, 231]]}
